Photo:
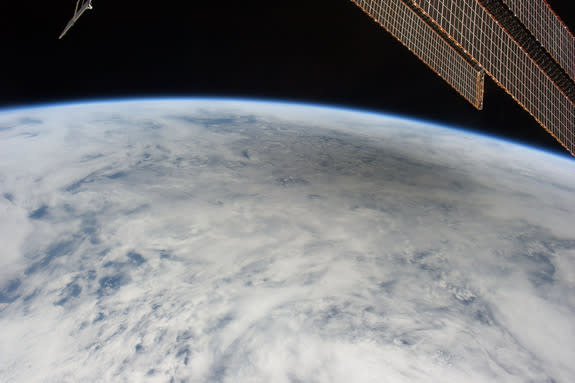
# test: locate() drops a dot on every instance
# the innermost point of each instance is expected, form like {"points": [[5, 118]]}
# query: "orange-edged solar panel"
{"points": [[429, 45], [549, 30], [474, 29], [459, 39]]}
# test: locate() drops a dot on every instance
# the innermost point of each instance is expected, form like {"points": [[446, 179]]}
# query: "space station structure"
{"points": [[521, 44]]}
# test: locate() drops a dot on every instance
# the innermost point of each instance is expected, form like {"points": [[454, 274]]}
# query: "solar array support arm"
{"points": [[81, 7]]}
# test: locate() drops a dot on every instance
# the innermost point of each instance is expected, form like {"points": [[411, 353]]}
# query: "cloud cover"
{"points": [[232, 241]]}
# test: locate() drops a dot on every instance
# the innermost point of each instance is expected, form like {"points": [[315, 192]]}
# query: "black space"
{"points": [[311, 51]]}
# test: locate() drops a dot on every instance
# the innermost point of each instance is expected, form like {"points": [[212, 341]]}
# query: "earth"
{"points": [[211, 240]]}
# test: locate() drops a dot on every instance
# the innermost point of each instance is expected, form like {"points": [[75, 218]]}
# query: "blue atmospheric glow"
{"points": [[341, 108]]}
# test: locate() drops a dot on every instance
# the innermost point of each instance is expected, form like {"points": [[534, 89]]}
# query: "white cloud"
{"points": [[278, 243]]}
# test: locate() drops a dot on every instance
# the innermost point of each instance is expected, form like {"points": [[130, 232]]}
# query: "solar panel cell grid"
{"points": [[551, 32], [396, 17], [431, 29], [506, 63]]}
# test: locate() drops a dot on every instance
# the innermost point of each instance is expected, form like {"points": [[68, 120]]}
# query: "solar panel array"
{"points": [[427, 44], [471, 26], [480, 39], [548, 28]]}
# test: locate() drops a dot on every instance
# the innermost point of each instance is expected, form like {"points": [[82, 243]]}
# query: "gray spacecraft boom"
{"points": [[81, 7]]}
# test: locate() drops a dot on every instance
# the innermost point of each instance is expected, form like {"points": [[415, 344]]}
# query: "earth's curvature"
{"points": [[234, 241]]}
